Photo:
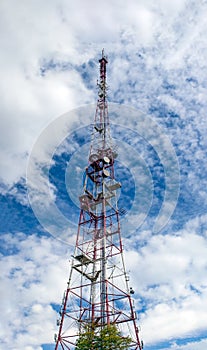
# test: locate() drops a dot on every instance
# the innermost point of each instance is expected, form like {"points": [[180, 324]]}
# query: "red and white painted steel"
{"points": [[97, 291]]}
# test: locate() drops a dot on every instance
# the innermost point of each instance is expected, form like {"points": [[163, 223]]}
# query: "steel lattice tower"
{"points": [[97, 292]]}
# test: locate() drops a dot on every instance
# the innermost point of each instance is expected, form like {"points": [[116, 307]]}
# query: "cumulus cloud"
{"points": [[171, 287], [157, 63], [167, 274], [33, 274], [30, 37]]}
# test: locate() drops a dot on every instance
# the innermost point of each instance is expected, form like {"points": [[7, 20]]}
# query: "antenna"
{"points": [[98, 294]]}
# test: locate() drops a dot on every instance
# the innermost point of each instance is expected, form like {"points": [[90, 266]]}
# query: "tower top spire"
{"points": [[103, 56], [102, 79], [101, 139]]}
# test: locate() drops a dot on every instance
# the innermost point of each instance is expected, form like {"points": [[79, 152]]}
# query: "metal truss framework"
{"points": [[97, 292]]}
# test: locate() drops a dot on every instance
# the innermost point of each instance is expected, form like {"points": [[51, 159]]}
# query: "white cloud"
{"points": [[32, 278], [74, 32], [149, 44], [29, 100], [169, 275]]}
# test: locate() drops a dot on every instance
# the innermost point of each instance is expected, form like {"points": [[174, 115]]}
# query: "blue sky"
{"points": [[157, 54]]}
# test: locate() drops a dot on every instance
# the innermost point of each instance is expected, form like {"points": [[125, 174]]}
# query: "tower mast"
{"points": [[97, 293]]}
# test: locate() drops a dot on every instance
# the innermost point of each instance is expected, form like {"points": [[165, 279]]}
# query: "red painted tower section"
{"points": [[97, 291]]}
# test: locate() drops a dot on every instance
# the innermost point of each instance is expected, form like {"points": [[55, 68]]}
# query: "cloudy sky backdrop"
{"points": [[157, 53]]}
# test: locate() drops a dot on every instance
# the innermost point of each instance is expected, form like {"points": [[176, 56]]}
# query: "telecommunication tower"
{"points": [[98, 292]]}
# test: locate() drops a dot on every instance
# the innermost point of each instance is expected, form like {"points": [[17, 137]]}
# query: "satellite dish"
{"points": [[106, 160], [93, 157], [106, 173]]}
